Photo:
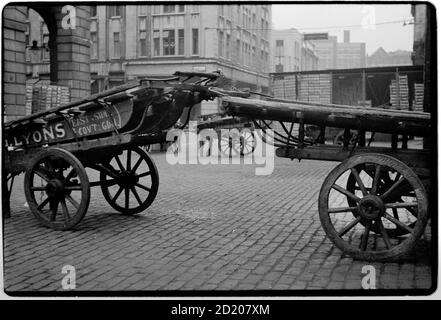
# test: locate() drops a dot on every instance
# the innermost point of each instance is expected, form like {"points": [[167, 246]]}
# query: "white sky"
{"points": [[320, 17]]}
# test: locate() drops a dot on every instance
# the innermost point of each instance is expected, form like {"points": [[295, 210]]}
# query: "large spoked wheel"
{"points": [[129, 181], [57, 189], [383, 219]]}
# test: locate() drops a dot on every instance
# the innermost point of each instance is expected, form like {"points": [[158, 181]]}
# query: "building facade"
{"points": [[133, 41], [290, 52], [339, 55], [326, 51]]}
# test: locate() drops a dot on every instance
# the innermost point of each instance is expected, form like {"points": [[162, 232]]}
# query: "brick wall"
{"points": [[14, 67]]}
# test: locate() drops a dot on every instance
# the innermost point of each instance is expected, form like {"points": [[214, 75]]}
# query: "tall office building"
{"points": [[155, 40]]}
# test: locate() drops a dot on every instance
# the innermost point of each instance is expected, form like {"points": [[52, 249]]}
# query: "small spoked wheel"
{"points": [[373, 207], [230, 144], [129, 181], [57, 189], [247, 142]]}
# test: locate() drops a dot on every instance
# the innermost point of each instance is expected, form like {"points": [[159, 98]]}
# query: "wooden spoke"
{"points": [[133, 189], [66, 216], [129, 160], [70, 175], [38, 188], [72, 200], [342, 209], [120, 165], [376, 180], [349, 227], [395, 211], [41, 205], [398, 222], [135, 167], [115, 197], [359, 181], [145, 174], [365, 238], [398, 205], [346, 192], [42, 173], [396, 184], [383, 233], [127, 198], [142, 187], [73, 188], [53, 208]]}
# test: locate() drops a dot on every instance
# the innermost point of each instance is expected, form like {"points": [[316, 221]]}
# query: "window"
{"points": [[221, 10], [92, 11], [181, 8], [181, 42], [195, 41], [116, 45], [238, 55], [168, 42], [227, 49], [94, 47], [142, 43], [220, 44], [169, 8], [156, 46], [115, 11], [195, 8], [45, 46], [156, 9], [279, 48]]}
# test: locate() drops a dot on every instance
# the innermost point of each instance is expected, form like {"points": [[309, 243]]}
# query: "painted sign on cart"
{"points": [[83, 125]]}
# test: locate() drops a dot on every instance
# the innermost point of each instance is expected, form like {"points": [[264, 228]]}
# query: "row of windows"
{"points": [[165, 43], [117, 11]]}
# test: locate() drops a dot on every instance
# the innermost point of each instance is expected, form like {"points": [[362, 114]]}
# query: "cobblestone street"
{"points": [[216, 227]]}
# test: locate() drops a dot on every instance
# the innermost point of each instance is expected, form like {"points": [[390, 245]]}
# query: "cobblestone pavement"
{"points": [[210, 228]]}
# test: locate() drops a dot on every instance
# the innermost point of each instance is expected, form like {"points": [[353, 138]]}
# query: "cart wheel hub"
{"points": [[128, 179], [54, 188], [371, 207]]}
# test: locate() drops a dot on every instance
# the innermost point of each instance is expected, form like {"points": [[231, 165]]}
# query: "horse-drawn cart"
{"points": [[374, 204], [102, 132]]}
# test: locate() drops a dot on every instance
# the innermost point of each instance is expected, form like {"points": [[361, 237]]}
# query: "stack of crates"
{"points": [[285, 88], [399, 93], [418, 101], [44, 97], [315, 88]]}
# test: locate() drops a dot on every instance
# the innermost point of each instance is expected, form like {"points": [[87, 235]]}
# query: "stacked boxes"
{"points": [[304, 87], [418, 101], [43, 97], [285, 88], [399, 93], [315, 88]]}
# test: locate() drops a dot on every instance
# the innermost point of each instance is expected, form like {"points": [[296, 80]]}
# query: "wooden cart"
{"points": [[374, 204], [101, 132]]}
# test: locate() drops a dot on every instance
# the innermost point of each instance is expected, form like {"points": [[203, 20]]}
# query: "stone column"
{"points": [[73, 51]]}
